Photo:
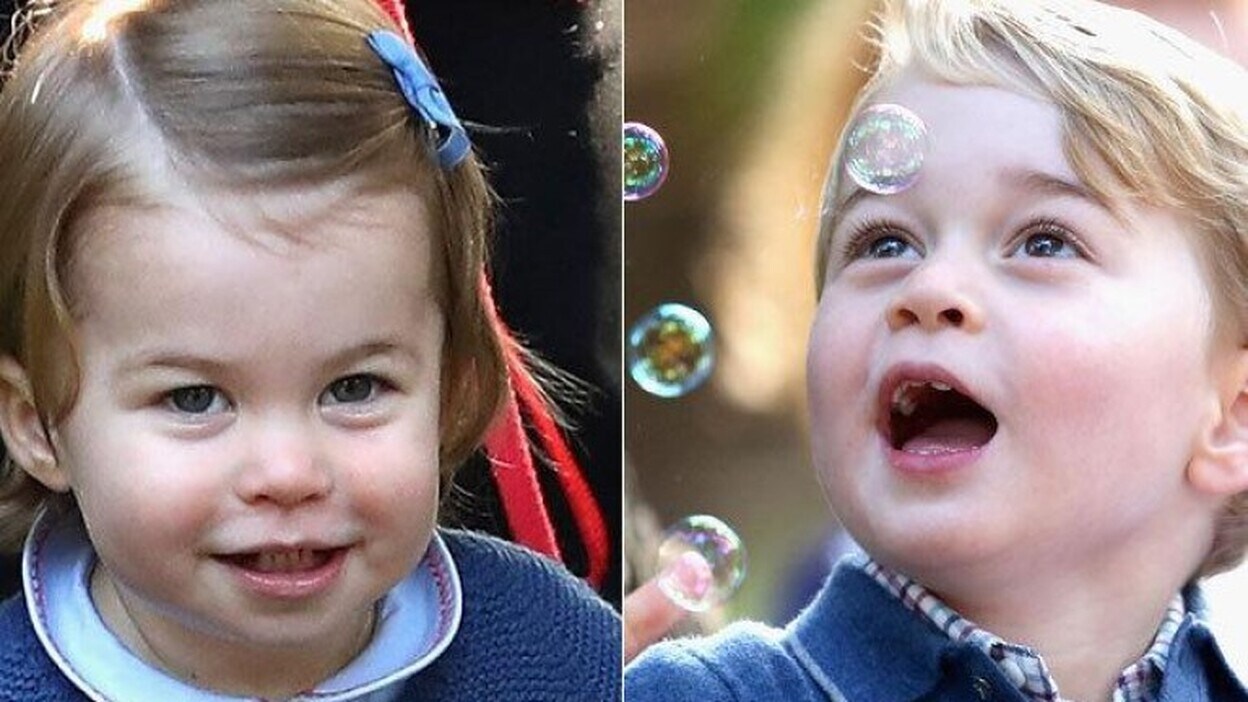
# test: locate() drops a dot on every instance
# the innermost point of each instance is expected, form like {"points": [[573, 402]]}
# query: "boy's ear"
{"points": [[24, 435], [1219, 464]]}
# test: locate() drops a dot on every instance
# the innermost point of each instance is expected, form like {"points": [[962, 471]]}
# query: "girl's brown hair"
{"points": [[109, 100]]}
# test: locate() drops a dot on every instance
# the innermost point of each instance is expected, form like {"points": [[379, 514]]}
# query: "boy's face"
{"points": [[1083, 335], [255, 445]]}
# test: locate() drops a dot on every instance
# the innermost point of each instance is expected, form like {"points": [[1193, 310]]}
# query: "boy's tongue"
{"points": [[956, 434]]}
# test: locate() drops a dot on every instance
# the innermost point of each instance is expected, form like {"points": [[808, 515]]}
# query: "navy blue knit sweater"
{"points": [[530, 633]]}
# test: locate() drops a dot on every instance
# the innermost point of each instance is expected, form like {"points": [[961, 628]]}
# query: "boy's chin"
{"points": [[929, 547]]}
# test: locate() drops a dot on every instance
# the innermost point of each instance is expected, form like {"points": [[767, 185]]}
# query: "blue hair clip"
{"points": [[424, 95]]}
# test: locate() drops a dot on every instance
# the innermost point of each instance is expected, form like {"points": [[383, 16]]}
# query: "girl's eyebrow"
{"points": [[167, 358], [370, 349], [162, 358]]}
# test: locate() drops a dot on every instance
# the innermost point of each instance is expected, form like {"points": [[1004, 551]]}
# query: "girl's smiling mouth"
{"points": [[292, 560], [287, 573]]}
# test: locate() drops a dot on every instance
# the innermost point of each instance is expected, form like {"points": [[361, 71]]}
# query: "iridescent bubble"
{"points": [[701, 563], [645, 161], [671, 350], [885, 148]]}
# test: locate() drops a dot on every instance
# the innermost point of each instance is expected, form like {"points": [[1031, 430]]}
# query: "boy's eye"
{"points": [[1048, 240], [879, 240], [887, 247], [197, 399], [357, 388], [1046, 246]]}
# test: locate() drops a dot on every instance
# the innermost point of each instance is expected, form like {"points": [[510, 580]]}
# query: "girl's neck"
{"points": [[220, 665]]}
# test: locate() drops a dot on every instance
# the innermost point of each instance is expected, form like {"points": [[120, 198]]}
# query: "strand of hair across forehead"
{"points": [[508, 447]]}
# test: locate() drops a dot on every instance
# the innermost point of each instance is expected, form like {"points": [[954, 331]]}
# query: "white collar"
{"points": [[417, 619]]}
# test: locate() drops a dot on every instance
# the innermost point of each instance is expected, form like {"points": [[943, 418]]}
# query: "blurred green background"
{"points": [[749, 97]]}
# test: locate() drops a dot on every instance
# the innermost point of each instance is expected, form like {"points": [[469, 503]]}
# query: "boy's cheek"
{"points": [[838, 397], [827, 366]]}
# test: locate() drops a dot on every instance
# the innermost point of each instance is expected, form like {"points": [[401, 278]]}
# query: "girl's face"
{"points": [[255, 446]]}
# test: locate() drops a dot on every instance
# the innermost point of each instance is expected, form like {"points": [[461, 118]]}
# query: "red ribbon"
{"points": [[510, 452]]}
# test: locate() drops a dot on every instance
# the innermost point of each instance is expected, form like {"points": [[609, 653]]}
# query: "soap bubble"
{"points": [[645, 161], [885, 148], [701, 563], [671, 350]]}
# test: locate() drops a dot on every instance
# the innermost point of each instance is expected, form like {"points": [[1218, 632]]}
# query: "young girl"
{"points": [[244, 337]]}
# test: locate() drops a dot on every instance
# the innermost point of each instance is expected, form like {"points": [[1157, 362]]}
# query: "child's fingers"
{"points": [[648, 616], [649, 612]]}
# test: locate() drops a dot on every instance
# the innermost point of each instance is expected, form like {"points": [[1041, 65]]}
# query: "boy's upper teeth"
{"points": [[905, 400]]}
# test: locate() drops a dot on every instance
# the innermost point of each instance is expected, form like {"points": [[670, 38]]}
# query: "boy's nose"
{"points": [[284, 467], [936, 296]]}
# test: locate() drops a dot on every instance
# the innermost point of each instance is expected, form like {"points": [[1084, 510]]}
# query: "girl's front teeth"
{"points": [[286, 561]]}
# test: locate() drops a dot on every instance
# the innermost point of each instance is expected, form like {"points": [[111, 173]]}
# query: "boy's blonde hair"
{"points": [[232, 96], [1166, 115]]}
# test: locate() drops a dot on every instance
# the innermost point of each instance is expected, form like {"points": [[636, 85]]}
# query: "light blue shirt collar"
{"points": [[417, 619]]}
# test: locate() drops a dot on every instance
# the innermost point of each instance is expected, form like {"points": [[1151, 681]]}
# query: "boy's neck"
{"points": [[1088, 621], [1086, 638], [215, 664]]}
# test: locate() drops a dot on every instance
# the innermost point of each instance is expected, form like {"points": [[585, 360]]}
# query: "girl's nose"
{"points": [[284, 467], [937, 295]]}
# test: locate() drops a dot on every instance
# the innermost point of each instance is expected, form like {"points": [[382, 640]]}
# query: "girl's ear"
{"points": [[25, 439], [1219, 465]]}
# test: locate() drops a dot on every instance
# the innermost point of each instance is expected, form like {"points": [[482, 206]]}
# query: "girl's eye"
{"points": [[197, 399], [352, 389], [1048, 240]]}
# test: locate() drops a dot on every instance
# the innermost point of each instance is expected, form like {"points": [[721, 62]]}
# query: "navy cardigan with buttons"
{"points": [[858, 643], [530, 633]]}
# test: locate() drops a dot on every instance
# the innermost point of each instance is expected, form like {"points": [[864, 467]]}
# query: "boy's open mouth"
{"points": [[930, 416], [293, 560]]}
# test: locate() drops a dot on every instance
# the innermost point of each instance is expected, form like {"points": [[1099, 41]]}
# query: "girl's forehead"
{"points": [[285, 233], [284, 219], [177, 252]]}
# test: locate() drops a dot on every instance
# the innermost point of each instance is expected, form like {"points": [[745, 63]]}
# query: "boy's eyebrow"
{"points": [[850, 199], [1048, 183], [1020, 178]]}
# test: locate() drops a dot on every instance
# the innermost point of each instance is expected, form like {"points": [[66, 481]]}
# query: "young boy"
{"points": [[1028, 377]]}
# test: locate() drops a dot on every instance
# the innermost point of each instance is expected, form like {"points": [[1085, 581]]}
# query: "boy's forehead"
{"points": [[968, 133], [885, 147]]}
